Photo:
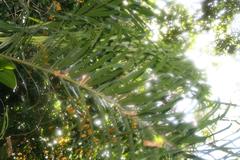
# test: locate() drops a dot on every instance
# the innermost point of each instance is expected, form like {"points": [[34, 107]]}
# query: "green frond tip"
{"points": [[6, 64], [7, 76]]}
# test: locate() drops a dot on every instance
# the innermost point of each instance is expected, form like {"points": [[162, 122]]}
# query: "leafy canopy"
{"points": [[90, 83]]}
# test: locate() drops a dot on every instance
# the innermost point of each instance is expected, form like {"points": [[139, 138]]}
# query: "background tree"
{"points": [[90, 83], [218, 15]]}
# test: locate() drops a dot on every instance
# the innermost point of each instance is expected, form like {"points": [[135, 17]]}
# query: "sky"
{"points": [[221, 73], [222, 76], [224, 80]]}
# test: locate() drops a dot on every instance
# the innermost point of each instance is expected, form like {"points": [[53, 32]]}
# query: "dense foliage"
{"points": [[83, 80]]}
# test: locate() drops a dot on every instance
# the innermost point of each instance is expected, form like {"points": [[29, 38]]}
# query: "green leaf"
{"points": [[5, 64], [7, 77], [193, 139], [101, 12], [7, 27]]}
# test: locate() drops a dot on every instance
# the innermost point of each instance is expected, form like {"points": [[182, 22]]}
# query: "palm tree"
{"points": [[84, 80]]}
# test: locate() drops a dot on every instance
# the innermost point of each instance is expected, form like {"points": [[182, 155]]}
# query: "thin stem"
{"points": [[228, 103], [34, 39]]}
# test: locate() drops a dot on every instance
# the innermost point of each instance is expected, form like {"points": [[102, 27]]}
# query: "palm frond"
{"points": [[85, 73]]}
